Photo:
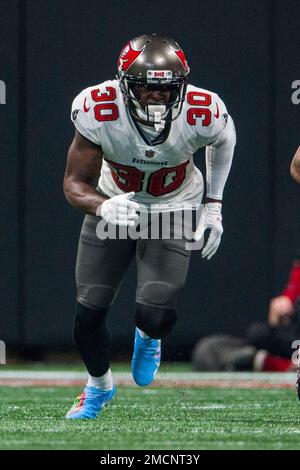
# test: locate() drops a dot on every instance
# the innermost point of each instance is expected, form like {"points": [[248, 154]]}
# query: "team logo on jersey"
{"points": [[128, 56], [75, 114], [149, 153], [225, 117]]}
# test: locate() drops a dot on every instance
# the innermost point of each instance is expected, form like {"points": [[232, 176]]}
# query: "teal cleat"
{"points": [[90, 403], [145, 360]]}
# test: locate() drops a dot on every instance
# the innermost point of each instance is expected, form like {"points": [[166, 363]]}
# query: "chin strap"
{"points": [[159, 126], [154, 115], [157, 112]]}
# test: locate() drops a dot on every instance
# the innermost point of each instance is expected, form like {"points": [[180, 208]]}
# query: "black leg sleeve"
{"points": [[93, 338]]}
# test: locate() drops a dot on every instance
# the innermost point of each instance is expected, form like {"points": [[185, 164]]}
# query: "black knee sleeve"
{"points": [[88, 320], [156, 322], [92, 338]]}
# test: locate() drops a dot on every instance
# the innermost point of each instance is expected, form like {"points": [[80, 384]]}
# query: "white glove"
{"points": [[211, 218], [119, 210]]}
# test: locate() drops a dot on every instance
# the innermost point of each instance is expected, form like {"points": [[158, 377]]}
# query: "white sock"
{"points": [[105, 382], [143, 335], [259, 360]]}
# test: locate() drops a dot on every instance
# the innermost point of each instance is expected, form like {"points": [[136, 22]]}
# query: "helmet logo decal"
{"points": [[159, 74], [181, 57], [128, 56]]}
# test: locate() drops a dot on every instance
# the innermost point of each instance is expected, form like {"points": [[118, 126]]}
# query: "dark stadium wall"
{"points": [[246, 52], [10, 175]]}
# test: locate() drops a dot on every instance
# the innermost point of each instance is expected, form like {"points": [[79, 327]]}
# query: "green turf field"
{"points": [[153, 418]]}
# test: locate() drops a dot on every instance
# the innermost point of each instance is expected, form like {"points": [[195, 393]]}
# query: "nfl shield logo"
{"points": [[149, 153]]}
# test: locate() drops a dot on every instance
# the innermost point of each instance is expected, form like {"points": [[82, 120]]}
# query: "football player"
{"points": [[295, 166], [295, 172], [139, 133]]}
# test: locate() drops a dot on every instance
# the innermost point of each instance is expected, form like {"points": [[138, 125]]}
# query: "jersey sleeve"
{"points": [[206, 114], [219, 156], [83, 119], [219, 115], [219, 151]]}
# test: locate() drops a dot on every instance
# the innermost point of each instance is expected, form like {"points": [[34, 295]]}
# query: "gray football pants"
{"points": [[162, 267]]}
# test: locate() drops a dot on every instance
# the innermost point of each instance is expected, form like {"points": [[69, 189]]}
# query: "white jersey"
{"points": [[163, 175]]}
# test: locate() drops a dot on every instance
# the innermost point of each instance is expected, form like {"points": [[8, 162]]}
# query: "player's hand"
{"points": [[211, 219], [119, 210], [280, 311]]}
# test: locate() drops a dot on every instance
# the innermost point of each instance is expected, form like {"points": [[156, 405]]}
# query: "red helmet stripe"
{"points": [[128, 56], [181, 57]]}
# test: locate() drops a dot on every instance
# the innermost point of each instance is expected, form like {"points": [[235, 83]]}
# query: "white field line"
{"points": [[286, 377], [180, 379]]}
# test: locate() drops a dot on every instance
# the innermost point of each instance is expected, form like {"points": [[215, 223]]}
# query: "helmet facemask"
{"points": [[153, 114]]}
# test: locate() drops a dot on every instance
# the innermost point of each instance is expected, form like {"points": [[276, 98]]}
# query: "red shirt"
{"points": [[292, 289]]}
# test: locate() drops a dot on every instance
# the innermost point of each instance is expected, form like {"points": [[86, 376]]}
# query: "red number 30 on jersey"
{"points": [[201, 101], [105, 111]]}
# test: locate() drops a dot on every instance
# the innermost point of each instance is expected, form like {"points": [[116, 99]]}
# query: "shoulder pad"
{"points": [[86, 109], [206, 111]]}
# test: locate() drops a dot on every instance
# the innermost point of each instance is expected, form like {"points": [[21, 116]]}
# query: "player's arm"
{"points": [[83, 167], [295, 166], [218, 162], [219, 156]]}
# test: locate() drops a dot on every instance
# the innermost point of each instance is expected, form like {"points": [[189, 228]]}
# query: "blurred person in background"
{"points": [[295, 166], [266, 346], [295, 172]]}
